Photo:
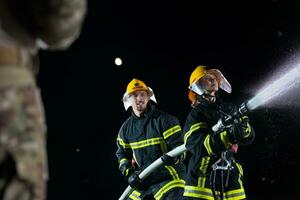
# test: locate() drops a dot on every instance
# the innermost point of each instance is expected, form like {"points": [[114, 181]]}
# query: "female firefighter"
{"points": [[144, 137], [212, 172]]}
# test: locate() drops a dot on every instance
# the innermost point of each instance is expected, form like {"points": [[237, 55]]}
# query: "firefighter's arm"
{"points": [[124, 155], [172, 137], [200, 139], [241, 131], [194, 133]]}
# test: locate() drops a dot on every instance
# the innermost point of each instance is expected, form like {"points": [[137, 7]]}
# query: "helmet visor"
{"points": [[127, 98]]}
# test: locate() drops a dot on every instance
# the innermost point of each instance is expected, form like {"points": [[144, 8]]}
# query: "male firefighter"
{"points": [[27, 26], [145, 136], [212, 172]]}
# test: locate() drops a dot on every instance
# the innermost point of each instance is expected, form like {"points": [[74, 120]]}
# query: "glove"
{"points": [[126, 172], [134, 180], [168, 160], [239, 130]]}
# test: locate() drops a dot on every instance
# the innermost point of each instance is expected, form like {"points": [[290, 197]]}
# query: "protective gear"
{"points": [[126, 172], [239, 130], [134, 180], [136, 85], [147, 138], [195, 86], [205, 148], [168, 160]]}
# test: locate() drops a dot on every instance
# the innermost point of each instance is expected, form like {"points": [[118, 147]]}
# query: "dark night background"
{"points": [[162, 43]]}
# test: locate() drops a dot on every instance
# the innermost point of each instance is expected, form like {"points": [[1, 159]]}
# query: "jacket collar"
{"points": [[150, 110]]}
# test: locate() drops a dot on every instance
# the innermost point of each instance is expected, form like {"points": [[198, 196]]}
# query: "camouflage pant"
{"points": [[23, 162]]}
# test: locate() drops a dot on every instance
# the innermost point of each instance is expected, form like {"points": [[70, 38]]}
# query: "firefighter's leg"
{"points": [[174, 194], [235, 189]]}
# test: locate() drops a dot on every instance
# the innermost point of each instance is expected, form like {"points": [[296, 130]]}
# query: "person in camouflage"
{"points": [[26, 27]]}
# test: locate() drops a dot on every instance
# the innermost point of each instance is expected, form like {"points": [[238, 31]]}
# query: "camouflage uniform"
{"points": [[25, 27]]}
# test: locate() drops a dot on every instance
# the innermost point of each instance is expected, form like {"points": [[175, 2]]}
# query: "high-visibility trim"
{"points": [[146, 143], [163, 190], [123, 161], [171, 131], [163, 147], [239, 168], [172, 172], [247, 131], [207, 145], [122, 143], [193, 128], [197, 192], [206, 193], [203, 167], [135, 195], [235, 194], [225, 139], [127, 172]]}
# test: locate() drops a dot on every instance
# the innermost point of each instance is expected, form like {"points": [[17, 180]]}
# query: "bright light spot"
{"points": [[277, 88], [77, 150], [118, 61]]}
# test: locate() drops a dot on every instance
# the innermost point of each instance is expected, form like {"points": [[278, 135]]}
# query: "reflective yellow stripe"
{"points": [[163, 146], [122, 161], [145, 143], [203, 167], [225, 139], [247, 131], [206, 193], [122, 143], [193, 191], [135, 195], [172, 184], [193, 128], [235, 194], [207, 145], [171, 131], [172, 172], [239, 168]]}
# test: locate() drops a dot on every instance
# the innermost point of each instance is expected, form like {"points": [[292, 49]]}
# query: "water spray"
{"points": [[276, 88]]}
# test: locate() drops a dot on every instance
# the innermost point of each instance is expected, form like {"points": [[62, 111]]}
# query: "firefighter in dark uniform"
{"points": [[144, 137], [210, 151]]}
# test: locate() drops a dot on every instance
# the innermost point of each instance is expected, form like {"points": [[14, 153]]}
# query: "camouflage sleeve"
{"points": [[58, 22]]}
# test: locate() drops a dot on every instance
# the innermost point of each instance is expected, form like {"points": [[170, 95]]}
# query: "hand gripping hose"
{"points": [[157, 163]]}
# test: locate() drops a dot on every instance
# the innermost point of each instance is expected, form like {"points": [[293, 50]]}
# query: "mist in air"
{"points": [[282, 90]]}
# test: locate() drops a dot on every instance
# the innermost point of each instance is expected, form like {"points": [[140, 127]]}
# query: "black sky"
{"points": [[161, 43]]}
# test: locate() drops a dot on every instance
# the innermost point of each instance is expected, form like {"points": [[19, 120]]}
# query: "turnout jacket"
{"points": [[205, 146], [147, 138]]}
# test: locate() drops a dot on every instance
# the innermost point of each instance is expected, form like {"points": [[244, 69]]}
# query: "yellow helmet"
{"points": [[200, 72], [136, 85], [133, 86]]}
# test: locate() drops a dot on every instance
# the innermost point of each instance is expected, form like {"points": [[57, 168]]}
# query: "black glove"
{"points": [[168, 160], [134, 180], [127, 171], [238, 130]]}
